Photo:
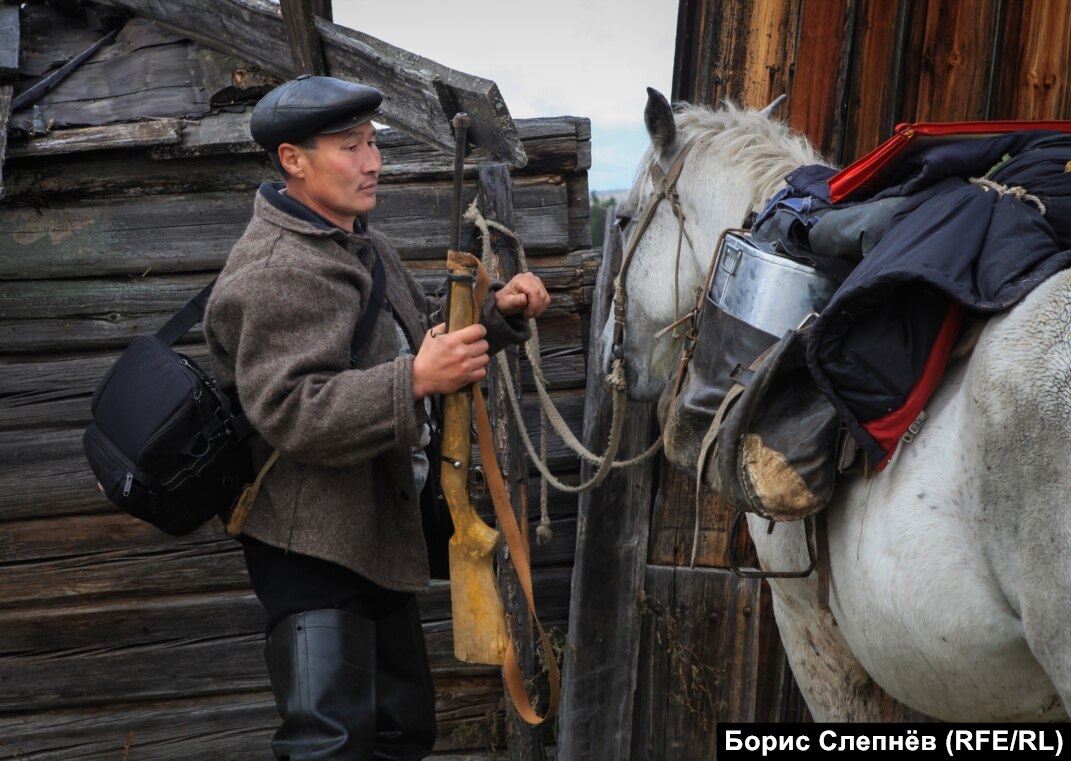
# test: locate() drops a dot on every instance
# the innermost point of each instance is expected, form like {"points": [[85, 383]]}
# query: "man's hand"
{"points": [[449, 361], [524, 294]]}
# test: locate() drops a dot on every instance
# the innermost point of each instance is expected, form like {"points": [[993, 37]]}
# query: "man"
{"points": [[333, 543]]}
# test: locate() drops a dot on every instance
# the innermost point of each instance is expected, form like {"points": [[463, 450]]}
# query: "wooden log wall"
{"points": [[854, 69], [113, 635]]}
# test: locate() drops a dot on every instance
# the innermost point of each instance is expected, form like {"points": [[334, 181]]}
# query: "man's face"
{"points": [[340, 174]]}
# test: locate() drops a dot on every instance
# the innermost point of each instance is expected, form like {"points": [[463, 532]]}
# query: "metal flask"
{"points": [[764, 289]]}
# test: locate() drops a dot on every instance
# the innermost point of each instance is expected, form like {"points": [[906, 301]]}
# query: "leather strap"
{"points": [[518, 549]]}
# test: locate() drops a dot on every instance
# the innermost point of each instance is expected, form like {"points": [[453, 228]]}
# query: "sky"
{"points": [[592, 58]]}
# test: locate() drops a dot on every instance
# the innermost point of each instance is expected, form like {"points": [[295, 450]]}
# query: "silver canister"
{"points": [[766, 290]]}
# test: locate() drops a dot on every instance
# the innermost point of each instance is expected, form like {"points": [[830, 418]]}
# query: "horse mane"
{"points": [[765, 148]]}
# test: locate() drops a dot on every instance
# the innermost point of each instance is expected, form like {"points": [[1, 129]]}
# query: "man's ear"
{"points": [[290, 157]]}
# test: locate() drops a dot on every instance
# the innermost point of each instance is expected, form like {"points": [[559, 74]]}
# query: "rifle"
{"points": [[479, 618], [480, 633]]}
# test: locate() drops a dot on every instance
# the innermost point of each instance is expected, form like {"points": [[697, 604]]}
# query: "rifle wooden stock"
{"points": [[480, 634]]}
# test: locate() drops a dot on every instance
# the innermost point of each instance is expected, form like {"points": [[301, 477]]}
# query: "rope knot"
{"points": [[1018, 192], [616, 378]]}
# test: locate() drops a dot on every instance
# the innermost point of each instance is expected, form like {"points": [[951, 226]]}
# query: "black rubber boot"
{"points": [[405, 716], [322, 668]]}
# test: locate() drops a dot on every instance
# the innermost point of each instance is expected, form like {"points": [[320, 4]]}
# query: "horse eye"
{"points": [[622, 220]]}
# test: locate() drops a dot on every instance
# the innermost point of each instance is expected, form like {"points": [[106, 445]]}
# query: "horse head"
{"points": [[705, 170]]}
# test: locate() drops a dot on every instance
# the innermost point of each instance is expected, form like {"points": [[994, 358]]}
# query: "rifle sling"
{"points": [[518, 549]]}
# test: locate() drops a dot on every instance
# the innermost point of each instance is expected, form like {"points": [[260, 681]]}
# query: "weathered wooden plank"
{"points": [[876, 71], [554, 145], [496, 204], [44, 472], [94, 627], [306, 54], [1033, 61], [354, 55], [207, 662], [612, 530], [70, 630], [227, 81], [9, 44], [237, 727], [673, 530], [6, 92], [721, 60], [818, 81], [772, 32], [92, 176], [952, 64], [130, 135], [195, 231], [109, 314], [253, 31], [700, 660], [53, 391]]}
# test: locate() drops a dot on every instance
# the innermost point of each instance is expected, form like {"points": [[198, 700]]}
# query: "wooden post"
{"points": [[305, 48], [5, 116], [611, 552], [496, 202]]}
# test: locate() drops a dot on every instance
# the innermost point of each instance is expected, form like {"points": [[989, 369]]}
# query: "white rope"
{"points": [[548, 410], [1017, 192]]}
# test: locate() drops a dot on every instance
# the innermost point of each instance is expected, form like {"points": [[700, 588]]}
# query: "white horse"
{"points": [[951, 569]]}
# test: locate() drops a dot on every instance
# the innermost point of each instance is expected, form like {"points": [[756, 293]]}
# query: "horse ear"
{"points": [[658, 117], [768, 111]]}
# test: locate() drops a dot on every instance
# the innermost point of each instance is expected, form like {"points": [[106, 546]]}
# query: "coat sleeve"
{"points": [[289, 332], [502, 331]]}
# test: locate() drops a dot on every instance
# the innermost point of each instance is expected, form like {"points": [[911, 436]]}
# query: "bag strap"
{"points": [[191, 313], [376, 298]]}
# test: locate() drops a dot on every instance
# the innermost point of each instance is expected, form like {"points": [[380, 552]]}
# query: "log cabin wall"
{"points": [[115, 639], [854, 69]]}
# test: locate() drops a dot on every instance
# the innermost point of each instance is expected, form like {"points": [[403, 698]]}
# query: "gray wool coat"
{"points": [[279, 325]]}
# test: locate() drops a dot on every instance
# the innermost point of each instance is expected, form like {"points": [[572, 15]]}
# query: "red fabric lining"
{"points": [[909, 138], [888, 430]]}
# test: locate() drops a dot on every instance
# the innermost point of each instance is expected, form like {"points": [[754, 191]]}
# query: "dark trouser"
{"points": [[346, 659]]}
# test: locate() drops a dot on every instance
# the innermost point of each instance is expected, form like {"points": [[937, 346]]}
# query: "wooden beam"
{"points": [[496, 203], [420, 95], [613, 522], [148, 134], [6, 93], [9, 44], [305, 50]]}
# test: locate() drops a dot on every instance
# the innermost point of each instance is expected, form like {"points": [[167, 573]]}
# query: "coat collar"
{"points": [[290, 213]]}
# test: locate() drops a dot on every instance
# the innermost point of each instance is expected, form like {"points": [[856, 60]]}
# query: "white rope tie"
{"points": [[1017, 192], [548, 410]]}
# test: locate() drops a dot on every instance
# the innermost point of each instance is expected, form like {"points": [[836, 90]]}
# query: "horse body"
{"points": [[950, 569]]}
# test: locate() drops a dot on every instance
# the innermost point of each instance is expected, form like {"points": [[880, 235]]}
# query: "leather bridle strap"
{"points": [[665, 190]]}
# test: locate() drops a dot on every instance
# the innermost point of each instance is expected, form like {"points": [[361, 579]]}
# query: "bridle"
{"points": [[665, 189]]}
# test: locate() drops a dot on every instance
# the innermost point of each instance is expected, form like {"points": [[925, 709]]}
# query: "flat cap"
{"points": [[308, 106]]}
